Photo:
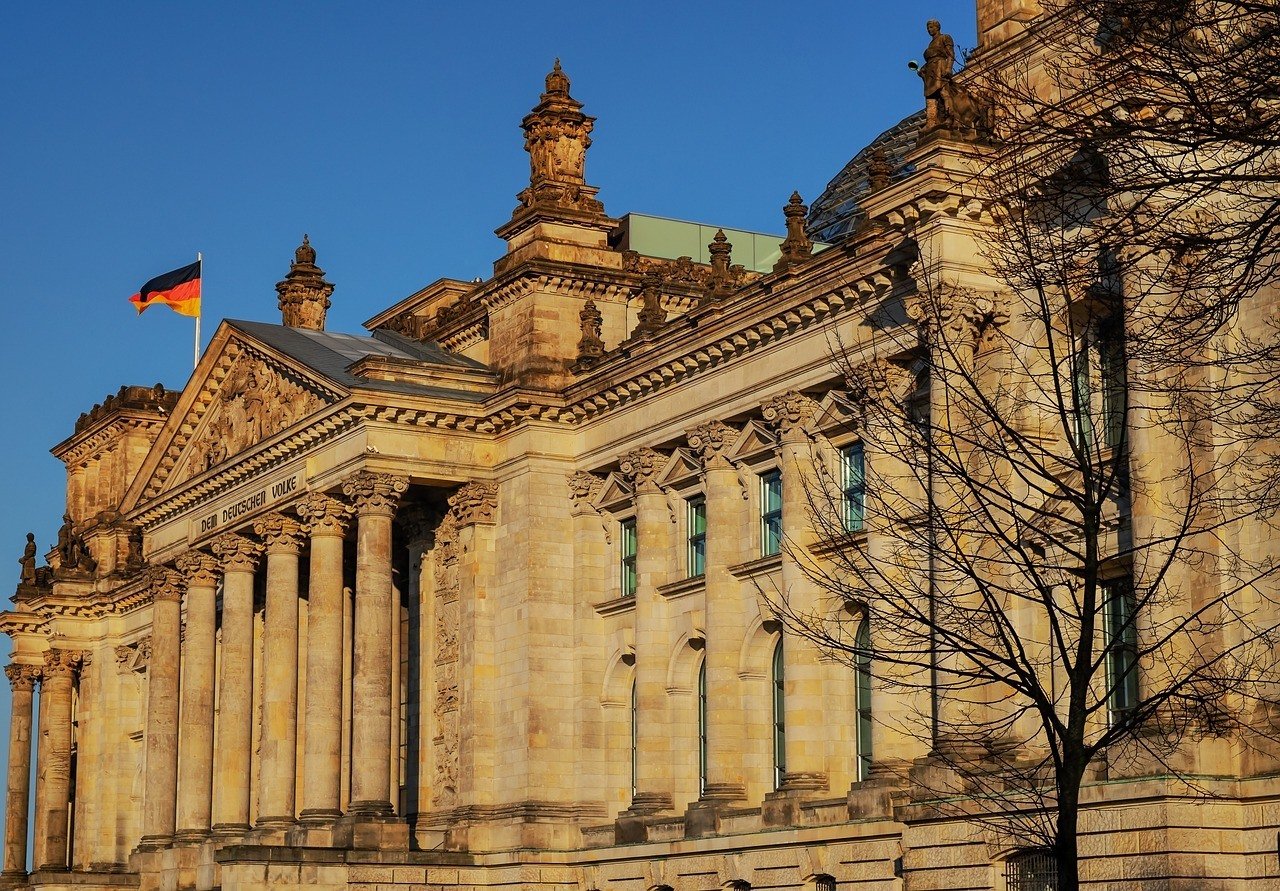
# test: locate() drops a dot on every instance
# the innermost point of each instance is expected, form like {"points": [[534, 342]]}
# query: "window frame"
{"points": [[696, 540], [779, 683], [862, 702], [1120, 630], [702, 728], [770, 518], [853, 486], [628, 576]]}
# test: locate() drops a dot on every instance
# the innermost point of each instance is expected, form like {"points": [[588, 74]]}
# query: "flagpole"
{"points": [[199, 309]]}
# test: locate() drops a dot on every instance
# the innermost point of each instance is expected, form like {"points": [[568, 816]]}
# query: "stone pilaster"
{"points": [[238, 556], [282, 536], [53, 781], [807, 725], [653, 779], [326, 520], [22, 680], [160, 790], [195, 743], [375, 496]]}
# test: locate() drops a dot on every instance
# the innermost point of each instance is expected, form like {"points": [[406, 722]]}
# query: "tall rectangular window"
{"points": [[1101, 390], [627, 568], [779, 718], [770, 513], [696, 516], [1120, 627], [862, 697], [853, 482]]}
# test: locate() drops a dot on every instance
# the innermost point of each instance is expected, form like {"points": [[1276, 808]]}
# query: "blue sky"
{"points": [[134, 134]]}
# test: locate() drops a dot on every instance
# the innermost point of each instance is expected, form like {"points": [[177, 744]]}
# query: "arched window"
{"points": [[862, 696], [702, 728], [1035, 869], [635, 719], [779, 713], [824, 883]]}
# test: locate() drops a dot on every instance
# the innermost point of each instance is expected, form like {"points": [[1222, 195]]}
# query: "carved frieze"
{"points": [[256, 400]]}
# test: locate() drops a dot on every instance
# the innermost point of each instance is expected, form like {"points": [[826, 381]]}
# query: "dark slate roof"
{"points": [[838, 211], [330, 354]]}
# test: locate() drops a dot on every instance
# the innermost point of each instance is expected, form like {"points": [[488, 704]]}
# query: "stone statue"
{"points": [[71, 548], [28, 560], [947, 104]]}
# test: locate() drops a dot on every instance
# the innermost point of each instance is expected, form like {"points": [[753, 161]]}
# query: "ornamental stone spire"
{"points": [[796, 247], [557, 135], [304, 293]]}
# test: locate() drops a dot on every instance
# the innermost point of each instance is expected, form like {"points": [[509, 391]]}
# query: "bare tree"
{"points": [[1066, 557]]}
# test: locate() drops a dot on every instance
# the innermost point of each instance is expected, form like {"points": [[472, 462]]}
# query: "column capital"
{"points": [[199, 569], [235, 552], [788, 413], [281, 533], [641, 466], [956, 316], [60, 663], [165, 584], [584, 485], [324, 514], [22, 677], [375, 493], [878, 383], [712, 441], [474, 503]]}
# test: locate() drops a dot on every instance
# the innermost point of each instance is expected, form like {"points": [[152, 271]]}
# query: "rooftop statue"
{"points": [[948, 105], [28, 560]]}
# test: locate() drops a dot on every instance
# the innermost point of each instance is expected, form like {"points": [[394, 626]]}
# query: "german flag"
{"points": [[179, 290]]}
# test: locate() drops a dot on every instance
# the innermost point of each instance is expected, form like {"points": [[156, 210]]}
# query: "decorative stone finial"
{"points": [[591, 345], [720, 249], [652, 316], [304, 293], [796, 247], [557, 136], [557, 82]]}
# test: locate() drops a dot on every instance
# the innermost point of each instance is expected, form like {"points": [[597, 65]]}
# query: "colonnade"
{"points": [[197, 781]]}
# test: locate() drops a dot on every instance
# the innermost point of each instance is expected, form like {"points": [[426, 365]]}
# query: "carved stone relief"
{"points": [[255, 401], [444, 788]]}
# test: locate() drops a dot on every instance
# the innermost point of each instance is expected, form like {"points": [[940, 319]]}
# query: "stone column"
{"points": [[238, 556], [725, 615], [277, 774], [22, 678], [653, 527], [326, 519], [195, 743], [804, 715], [160, 792], [375, 496], [53, 782]]}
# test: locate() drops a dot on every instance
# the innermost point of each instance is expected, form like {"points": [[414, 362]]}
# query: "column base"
{"points": [[229, 830], [370, 809], [13, 878], [783, 807], [371, 832], [318, 816], [631, 826], [190, 836], [151, 843]]}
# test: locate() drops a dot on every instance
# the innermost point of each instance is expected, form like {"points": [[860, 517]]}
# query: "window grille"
{"points": [[1031, 871], [824, 883]]}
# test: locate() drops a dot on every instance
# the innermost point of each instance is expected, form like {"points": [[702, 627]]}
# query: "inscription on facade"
{"points": [[243, 504]]}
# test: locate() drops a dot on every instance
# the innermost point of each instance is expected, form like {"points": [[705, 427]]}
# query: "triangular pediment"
{"points": [[614, 494], [243, 393], [835, 415], [754, 441], [680, 469]]}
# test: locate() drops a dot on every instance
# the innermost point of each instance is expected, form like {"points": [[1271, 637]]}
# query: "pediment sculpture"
{"points": [[255, 401]]}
